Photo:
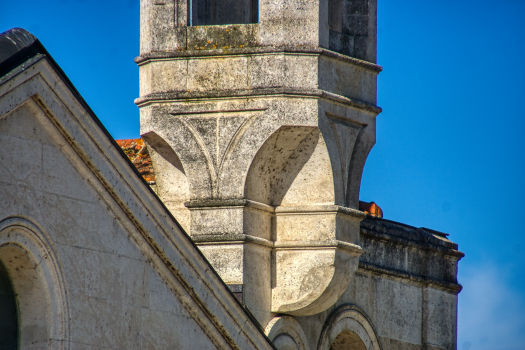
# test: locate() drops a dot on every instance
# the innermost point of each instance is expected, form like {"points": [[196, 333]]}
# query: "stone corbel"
{"points": [[311, 275]]}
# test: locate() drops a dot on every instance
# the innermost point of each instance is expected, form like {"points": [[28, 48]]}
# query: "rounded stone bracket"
{"points": [[311, 280]]}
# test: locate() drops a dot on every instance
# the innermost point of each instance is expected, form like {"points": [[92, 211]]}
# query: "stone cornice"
{"points": [[305, 50], [354, 249], [277, 210], [177, 96], [422, 280], [416, 238]]}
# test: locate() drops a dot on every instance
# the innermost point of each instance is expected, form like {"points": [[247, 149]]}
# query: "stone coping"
{"points": [[421, 238]]}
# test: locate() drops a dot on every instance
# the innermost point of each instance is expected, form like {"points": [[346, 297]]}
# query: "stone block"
{"points": [[169, 75], [228, 261], [170, 331], [398, 310], [217, 74], [105, 324], [441, 318], [257, 223], [22, 164], [356, 25], [222, 36], [217, 221], [348, 80]]}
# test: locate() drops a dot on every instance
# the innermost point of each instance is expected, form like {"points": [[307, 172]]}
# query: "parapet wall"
{"points": [[417, 254]]}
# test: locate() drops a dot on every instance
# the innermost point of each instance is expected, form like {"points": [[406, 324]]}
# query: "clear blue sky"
{"points": [[450, 152]]}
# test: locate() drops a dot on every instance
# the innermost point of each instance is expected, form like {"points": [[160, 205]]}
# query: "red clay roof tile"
{"points": [[371, 209], [137, 152]]}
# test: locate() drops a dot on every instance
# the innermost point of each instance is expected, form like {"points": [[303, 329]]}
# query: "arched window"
{"points": [[348, 340], [32, 270], [286, 334], [8, 314], [348, 328], [215, 12]]}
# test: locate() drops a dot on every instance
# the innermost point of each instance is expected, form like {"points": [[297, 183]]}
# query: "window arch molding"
{"points": [[286, 332], [37, 279], [348, 318]]}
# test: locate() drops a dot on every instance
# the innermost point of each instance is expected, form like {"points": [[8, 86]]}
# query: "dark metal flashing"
{"points": [[18, 47]]}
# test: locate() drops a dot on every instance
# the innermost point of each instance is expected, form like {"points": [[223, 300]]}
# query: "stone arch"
{"points": [[172, 183], [291, 168], [38, 283], [348, 328], [8, 314], [286, 334]]}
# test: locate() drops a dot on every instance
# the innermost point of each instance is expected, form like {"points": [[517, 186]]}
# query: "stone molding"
{"points": [[349, 318], [163, 97], [163, 55], [278, 210], [278, 245], [293, 335], [432, 243], [413, 278]]}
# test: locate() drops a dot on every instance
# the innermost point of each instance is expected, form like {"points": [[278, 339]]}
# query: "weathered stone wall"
{"points": [[353, 28], [116, 299], [94, 258], [272, 123], [343, 26]]}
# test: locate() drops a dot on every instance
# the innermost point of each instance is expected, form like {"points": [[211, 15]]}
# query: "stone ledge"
{"points": [[296, 245], [278, 210], [422, 280], [186, 95], [279, 245], [316, 209], [162, 55], [221, 239], [421, 238]]}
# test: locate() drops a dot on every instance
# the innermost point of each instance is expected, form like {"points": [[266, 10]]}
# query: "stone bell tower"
{"points": [[259, 116]]}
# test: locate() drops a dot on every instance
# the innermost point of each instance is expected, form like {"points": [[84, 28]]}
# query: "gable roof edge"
{"points": [[30, 52]]}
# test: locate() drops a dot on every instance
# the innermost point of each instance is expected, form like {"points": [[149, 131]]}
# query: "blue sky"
{"points": [[450, 152]]}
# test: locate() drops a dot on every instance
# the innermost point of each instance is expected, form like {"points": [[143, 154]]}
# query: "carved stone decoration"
{"points": [[258, 135]]}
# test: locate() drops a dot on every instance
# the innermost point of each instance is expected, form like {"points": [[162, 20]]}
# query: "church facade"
{"points": [[256, 120]]}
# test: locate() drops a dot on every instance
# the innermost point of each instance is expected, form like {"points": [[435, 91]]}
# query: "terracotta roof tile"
{"points": [[137, 152], [371, 209]]}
